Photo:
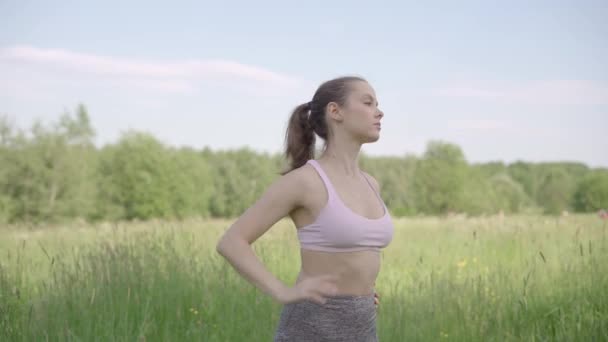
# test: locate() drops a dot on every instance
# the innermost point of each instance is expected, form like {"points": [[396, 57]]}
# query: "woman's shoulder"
{"points": [[302, 177]]}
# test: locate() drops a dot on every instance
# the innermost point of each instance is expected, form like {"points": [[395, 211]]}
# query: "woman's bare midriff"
{"points": [[356, 271]]}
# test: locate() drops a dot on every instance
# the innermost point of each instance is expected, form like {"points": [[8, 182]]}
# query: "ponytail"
{"points": [[299, 138]]}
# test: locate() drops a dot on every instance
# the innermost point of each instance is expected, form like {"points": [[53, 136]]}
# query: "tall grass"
{"points": [[489, 279]]}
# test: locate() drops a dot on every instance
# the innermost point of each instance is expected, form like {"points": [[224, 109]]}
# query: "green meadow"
{"points": [[512, 278]]}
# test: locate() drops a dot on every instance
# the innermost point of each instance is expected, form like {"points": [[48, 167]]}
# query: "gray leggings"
{"points": [[342, 318]]}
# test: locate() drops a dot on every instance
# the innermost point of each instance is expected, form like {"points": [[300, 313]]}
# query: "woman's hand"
{"points": [[311, 288], [376, 296], [376, 299]]}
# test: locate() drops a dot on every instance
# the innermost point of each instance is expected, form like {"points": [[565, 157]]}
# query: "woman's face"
{"points": [[361, 114]]}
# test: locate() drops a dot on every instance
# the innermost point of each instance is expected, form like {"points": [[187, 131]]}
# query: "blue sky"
{"points": [[510, 81]]}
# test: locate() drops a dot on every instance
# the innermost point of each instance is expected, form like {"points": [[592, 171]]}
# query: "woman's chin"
{"points": [[373, 138]]}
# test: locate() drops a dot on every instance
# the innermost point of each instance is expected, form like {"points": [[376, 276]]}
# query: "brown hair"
{"points": [[300, 135]]}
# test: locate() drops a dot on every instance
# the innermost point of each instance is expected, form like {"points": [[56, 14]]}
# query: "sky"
{"points": [[505, 81]]}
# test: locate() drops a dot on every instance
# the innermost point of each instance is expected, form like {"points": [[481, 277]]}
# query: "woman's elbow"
{"points": [[227, 243], [221, 245]]}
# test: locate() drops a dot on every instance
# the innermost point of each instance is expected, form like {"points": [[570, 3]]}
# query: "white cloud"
{"points": [[544, 92], [173, 76], [563, 92], [194, 101]]}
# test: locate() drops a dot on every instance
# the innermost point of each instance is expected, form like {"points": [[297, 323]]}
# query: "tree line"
{"points": [[54, 172]]}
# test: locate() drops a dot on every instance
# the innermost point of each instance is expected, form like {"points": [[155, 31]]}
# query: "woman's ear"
{"points": [[334, 112]]}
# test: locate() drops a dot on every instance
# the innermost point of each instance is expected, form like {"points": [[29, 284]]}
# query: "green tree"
{"points": [[510, 194], [556, 190], [191, 186], [135, 178], [477, 195], [47, 176], [440, 178], [592, 192]]}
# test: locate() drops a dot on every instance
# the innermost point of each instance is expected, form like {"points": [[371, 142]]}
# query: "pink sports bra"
{"points": [[338, 229]]}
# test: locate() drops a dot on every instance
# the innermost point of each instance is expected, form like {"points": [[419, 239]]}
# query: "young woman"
{"points": [[342, 222]]}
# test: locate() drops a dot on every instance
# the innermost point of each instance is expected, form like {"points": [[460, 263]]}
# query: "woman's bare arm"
{"points": [[283, 195]]}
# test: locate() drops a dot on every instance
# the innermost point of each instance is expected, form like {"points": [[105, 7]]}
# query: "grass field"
{"points": [[529, 278]]}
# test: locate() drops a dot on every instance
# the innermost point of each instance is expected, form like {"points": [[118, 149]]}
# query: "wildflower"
{"points": [[462, 263]]}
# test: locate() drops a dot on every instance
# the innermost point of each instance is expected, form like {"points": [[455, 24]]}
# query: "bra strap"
{"points": [[373, 189], [323, 175]]}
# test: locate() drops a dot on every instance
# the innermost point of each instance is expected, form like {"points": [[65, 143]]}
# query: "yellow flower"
{"points": [[462, 263]]}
